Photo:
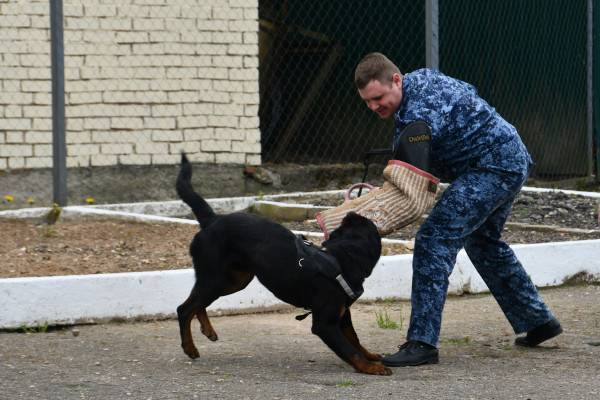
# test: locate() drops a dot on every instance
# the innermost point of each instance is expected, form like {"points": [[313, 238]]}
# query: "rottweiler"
{"points": [[229, 250]]}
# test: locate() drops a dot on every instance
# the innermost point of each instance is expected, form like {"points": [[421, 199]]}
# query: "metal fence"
{"points": [[144, 80], [310, 111], [529, 59]]}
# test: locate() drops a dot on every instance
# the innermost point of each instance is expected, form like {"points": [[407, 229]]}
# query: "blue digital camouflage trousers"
{"points": [[471, 213]]}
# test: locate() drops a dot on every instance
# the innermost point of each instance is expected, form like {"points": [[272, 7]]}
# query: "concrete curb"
{"points": [[90, 298]]}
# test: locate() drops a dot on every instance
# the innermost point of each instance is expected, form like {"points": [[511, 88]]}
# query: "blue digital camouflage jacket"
{"points": [[466, 131]]}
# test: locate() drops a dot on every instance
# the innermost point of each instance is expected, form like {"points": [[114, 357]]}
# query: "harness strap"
{"points": [[307, 251], [346, 287]]}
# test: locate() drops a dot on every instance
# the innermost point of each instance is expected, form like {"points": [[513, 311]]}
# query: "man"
{"points": [[483, 158]]}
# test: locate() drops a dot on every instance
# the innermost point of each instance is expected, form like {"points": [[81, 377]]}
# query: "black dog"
{"points": [[231, 249]]}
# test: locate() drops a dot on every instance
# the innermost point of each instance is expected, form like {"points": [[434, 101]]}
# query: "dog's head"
{"points": [[359, 239]]}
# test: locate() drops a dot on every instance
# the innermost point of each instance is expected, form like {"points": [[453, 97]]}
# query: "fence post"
{"points": [[594, 92], [432, 58], [590, 87], [59, 148]]}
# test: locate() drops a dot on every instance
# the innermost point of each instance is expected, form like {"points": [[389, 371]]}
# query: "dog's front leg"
{"points": [[350, 334], [326, 325]]}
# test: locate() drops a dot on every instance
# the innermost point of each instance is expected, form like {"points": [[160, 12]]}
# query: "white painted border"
{"points": [[86, 298]]}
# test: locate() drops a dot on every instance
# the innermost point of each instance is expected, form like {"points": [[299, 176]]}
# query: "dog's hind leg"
{"points": [[350, 334], [205, 326], [237, 280], [202, 295]]}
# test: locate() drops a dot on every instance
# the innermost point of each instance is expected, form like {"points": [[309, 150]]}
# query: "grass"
{"points": [[581, 279], [346, 383], [385, 321], [33, 329]]}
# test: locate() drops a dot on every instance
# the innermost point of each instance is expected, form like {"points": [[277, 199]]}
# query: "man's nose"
{"points": [[372, 105]]}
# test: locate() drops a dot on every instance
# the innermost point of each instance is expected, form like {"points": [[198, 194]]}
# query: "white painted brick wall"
{"points": [[144, 80]]}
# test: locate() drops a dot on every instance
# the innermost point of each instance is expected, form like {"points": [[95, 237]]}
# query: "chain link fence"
{"points": [[310, 111], [528, 59], [254, 81]]}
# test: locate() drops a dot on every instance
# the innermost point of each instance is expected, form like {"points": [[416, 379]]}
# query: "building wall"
{"points": [[144, 79]]}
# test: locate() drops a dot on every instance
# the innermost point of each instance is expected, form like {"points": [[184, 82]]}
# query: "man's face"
{"points": [[383, 98]]}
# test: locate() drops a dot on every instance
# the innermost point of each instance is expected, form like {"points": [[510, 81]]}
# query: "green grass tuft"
{"points": [[346, 383], [384, 321]]}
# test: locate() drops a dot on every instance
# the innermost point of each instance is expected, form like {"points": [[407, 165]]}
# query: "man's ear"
{"points": [[396, 78]]}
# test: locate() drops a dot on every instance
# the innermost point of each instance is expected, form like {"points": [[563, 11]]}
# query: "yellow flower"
{"points": [[8, 198], [30, 200], [90, 200]]}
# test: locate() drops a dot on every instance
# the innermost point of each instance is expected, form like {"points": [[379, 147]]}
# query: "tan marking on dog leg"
{"points": [[187, 342], [205, 325], [185, 315], [350, 334], [368, 367]]}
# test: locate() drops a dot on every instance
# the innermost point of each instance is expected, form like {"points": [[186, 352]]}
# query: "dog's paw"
{"points": [[191, 351], [379, 369], [375, 369], [210, 334], [384, 371]]}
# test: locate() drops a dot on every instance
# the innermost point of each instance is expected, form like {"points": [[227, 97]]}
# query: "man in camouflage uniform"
{"points": [[483, 158]]}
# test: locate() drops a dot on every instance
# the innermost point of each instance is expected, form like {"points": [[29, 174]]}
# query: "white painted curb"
{"points": [[89, 298]]}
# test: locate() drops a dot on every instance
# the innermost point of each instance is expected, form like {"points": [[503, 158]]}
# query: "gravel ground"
{"points": [[273, 356]]}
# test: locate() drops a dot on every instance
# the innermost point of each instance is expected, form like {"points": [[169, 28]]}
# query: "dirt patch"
{"points": [[91, 246]]}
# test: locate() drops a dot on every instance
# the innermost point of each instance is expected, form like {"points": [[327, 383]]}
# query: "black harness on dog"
{"points": [[314, 260]]}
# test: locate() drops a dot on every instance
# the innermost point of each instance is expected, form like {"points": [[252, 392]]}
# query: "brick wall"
{"points": [[144, 79]]}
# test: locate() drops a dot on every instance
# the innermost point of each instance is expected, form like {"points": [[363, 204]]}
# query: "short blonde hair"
{"points": [[374, 66]]}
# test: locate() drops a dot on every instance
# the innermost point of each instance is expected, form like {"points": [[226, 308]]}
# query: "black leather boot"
{"points": [[540, 334], [412, 353]]}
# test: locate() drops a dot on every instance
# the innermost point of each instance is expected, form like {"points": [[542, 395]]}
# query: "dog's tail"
{"points": [[201, 209]]}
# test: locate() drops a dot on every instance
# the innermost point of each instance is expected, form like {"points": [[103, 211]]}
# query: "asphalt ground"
{"points": [[273, 356]]}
